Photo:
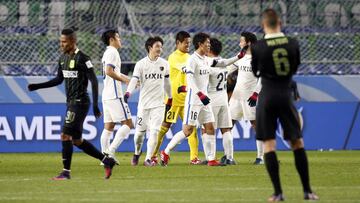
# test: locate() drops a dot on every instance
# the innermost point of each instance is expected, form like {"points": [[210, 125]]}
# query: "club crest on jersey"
{"points": [[70, 74], [153, 76], [161, 68], [72, 64]]}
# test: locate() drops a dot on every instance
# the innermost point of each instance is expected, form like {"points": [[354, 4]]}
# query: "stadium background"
{"points": [[328, 32]]}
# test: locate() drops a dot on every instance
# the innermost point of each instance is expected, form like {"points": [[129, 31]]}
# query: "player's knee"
{"points": [[269, 145], [77, 142], [166, 124], [297, 144], [109, 126], [65, 137], [188, 130], [129, 123]]}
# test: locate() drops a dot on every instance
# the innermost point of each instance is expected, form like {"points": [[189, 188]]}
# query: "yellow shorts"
{"points": [[174, 112]]}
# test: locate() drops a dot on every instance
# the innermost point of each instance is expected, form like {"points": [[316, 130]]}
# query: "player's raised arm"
{"points": [[51, 83], [229, 61]]}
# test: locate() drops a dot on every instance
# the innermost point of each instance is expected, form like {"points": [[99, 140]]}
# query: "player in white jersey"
{"points": [[243, 100], [153, 74], [114, 107], [196, 102], [219, 103]]}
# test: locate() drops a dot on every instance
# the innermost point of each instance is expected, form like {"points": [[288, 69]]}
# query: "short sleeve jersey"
{"points": [[151, 75], [112, 88], [246, 81], [199, 66], [217, 85]]}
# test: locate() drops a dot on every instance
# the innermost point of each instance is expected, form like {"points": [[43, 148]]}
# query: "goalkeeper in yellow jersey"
{"points": [[177, 61]]}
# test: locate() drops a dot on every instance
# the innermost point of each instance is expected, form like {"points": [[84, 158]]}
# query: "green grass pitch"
{"points": [[335, 176]]}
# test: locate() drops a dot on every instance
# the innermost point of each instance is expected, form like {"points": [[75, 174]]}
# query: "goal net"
{"points": [[328, 30]]}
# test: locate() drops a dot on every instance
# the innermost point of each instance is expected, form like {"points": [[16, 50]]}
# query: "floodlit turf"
{"points": [[26, 178]]}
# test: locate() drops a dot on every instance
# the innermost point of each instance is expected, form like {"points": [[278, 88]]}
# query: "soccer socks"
{"points": [[260, 149], [105, 140], [151, 144], [228, 145], [211, 143], [193, 144], [67, 151], [302, 167], [205, 143], [89, 149], [138, 141], [272, 166], [160, 138], [178, 137], [120, 135]]}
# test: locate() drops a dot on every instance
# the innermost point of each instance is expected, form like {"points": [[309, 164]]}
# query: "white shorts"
{"points": [[194, 114], [150, 118], [222, 116], [240, 109], [115, 111]]}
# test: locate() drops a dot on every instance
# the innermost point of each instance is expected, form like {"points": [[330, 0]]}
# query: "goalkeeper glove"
{"points": [[253, 99], [126, 97], [242, 52], [181, 89], [204, 99]]}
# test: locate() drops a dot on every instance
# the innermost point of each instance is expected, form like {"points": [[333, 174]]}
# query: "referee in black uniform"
{"points": [[275, 59], [76, 69]]}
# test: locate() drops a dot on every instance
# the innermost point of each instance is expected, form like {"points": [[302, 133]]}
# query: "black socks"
{"points": [[67, 151], [272, 166], [302, 167]]}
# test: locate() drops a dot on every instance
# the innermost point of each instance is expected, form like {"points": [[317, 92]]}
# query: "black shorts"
{"points": [[74, 119], [274, 105]]}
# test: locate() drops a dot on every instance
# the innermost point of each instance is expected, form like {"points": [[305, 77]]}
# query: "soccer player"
{"points": [[276, 59], [197, 108], [153, 74], [219, 103], [76, 69], [115, 109], [244, 97], [177, 61]]}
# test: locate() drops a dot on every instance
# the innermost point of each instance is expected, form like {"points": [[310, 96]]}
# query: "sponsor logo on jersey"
{"points": [[245, 68], [70, 74], [204, 72], [153, 76], [161, 68]]}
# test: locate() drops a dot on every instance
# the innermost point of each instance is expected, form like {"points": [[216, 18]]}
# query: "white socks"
{"points": [[210, 141], [138, 141], [105, 140], [228, 145], [260, 149], [206, 145], [178, 137], [120, 135], [151, 143]]}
